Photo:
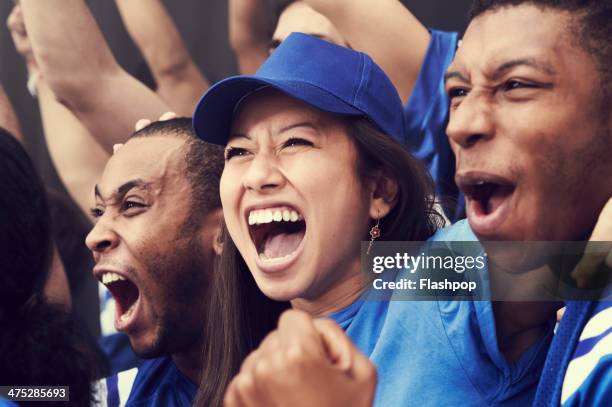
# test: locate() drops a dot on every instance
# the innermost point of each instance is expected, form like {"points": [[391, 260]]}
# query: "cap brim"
{"points": [[213, 115]]}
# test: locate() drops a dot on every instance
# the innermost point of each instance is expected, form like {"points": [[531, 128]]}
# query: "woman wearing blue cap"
{"points": [[312, 169]]}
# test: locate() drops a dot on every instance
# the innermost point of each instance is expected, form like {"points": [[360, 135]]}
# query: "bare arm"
{"points": [[8, 118], [250, 28], [79, 160], [179, 81], [385, 30], [83, 74]]}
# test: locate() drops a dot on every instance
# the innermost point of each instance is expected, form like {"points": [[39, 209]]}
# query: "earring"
{"points": [[374, 234]]}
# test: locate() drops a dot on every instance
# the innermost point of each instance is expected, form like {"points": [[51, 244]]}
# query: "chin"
{"points": [[147, 349], [280, 291]]}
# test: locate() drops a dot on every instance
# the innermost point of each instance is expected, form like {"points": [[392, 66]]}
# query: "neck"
{"points": [[189, 363], [345, 291], [524, 304], [519, 325]]}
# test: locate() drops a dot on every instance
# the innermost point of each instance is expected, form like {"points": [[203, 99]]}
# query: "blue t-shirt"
{"points": [[426, 116], [578, 370], [440, 353], [157, 382]]}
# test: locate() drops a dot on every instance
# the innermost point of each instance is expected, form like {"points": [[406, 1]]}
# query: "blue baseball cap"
{"points": [[326, 76]]}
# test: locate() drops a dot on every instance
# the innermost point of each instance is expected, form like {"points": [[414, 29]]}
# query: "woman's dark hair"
{"points": [[414, 216], [38, 343], [241, 315]]}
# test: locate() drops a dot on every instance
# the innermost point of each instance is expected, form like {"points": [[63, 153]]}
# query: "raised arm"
{"points": [[79, 160], [83, 74], [250, 32], [179, 81], [385, 30]]}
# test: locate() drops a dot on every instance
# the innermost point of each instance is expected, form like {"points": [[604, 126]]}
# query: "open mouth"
{"points": [[488, 202], [125, 293], [276, 232], [487, 196]]}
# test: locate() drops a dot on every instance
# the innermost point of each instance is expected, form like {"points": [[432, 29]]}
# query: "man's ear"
{"points": [[385, 190]]}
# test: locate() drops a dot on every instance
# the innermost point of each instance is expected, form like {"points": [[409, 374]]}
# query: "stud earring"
{"points": [[374, 234]]}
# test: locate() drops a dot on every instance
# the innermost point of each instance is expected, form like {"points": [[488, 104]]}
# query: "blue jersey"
{"points": [[426, 116], [441, 353], [157, 382], [578, 369]]}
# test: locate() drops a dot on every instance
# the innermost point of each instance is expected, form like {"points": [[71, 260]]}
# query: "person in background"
{"points": [[179, 81], [39, 342], [86, 77]]}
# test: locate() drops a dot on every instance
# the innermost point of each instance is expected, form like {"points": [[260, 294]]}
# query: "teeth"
{"points": [[261, 216], [268, 217], [265, 258], [127, 314], [111, 277]]}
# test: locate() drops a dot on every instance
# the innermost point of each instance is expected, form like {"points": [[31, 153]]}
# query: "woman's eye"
{"points": [[292, 142], [231, 152]]}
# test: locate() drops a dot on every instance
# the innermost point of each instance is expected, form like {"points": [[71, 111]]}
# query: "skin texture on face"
{"points": [[282, 153], [143, 202], [299, 17], [526, 110]]}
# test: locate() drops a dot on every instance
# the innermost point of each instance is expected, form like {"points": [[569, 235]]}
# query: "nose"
{"points": [[101, 238], [263, 174], [470, 122]]}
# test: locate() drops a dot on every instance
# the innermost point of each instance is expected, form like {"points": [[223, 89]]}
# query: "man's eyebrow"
{"points": [[530, 62], [123, 189], [455, 75]]}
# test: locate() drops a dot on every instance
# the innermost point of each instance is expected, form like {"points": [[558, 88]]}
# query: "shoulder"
{"points": [[588, 378], [133, 384], [114, 390]]}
